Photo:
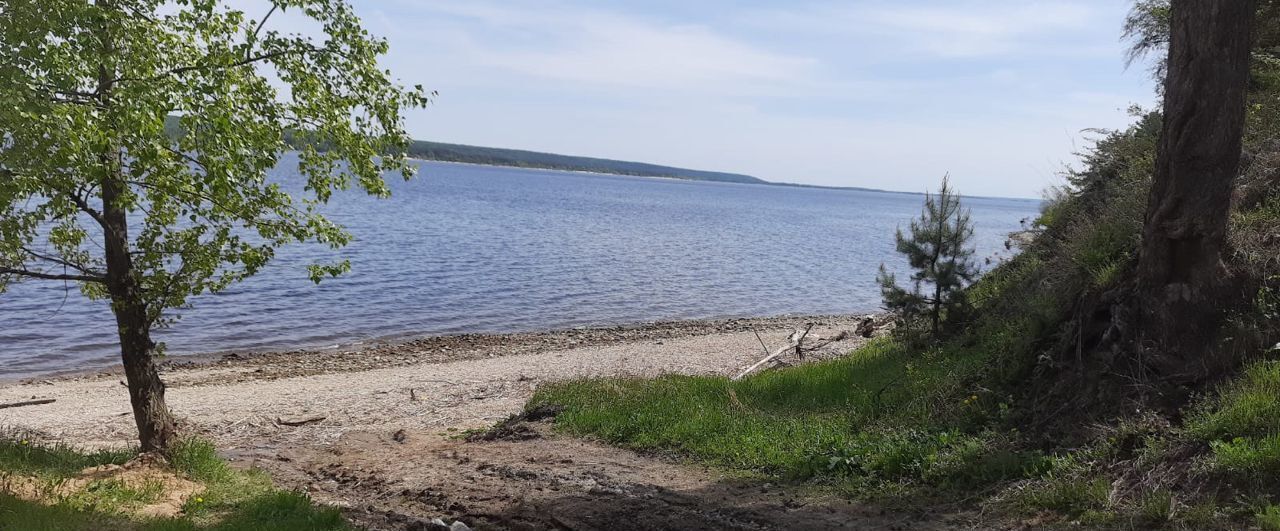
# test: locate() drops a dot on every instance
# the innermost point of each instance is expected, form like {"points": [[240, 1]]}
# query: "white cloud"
{"points": [[623, 52], [954, 29], [584, 45], [862, 93]]}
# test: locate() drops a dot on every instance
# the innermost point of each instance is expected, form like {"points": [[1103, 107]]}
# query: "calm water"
{"points": [[470, 248]]}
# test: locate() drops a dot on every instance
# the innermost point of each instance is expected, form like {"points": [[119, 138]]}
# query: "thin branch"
{"points": [[263, 22], [187, 158], [83, 205], [74, 101], [242, 62], [240, 214], [50, 276], [61, 262]]}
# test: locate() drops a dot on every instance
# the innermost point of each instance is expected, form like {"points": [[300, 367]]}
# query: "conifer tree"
{"points": [[938, 250]]}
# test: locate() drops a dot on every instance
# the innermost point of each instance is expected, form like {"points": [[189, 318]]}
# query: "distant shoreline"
{"points": [[690, 179]]}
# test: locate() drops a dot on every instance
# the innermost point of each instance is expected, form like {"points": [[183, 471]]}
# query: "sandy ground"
{"points": [[381, 436]]}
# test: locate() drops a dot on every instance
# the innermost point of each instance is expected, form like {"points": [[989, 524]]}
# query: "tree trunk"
{"points": [[1181, 276], [146, 390]]}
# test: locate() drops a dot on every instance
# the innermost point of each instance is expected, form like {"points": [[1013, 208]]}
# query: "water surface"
{"points": [[484, 249]]}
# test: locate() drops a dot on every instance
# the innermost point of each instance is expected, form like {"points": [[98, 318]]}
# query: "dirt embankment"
{"points": [[377, 430]]}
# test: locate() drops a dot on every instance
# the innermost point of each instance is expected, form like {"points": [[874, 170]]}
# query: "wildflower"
{"points": [[24, 443]]}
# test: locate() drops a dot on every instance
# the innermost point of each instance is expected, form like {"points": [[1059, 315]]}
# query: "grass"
{"points": [[56, 461], [885, 418], [880, 415], [233, 500], [1269, 518], [1242, 424]]}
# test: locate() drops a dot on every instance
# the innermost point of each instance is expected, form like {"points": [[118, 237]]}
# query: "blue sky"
{"points": [[885, 94]]}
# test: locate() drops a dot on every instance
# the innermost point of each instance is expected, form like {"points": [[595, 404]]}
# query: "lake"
{"points": [[485, 249]]}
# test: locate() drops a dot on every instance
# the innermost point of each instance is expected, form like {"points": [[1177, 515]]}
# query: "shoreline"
{"points": [[411, 349], [458, 382], [379, 431]]}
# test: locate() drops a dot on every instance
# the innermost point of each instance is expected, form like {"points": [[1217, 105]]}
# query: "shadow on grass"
{"points": [[273, 511]]}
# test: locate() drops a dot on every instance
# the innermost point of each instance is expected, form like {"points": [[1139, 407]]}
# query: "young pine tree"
{"points": [[938, 249]]}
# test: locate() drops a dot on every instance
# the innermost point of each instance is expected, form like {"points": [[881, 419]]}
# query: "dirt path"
{"points": [[401, 481], [383, 441]]}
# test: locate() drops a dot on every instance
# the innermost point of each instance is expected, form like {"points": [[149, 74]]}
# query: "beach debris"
{"points": [[300, 421], [399, 436], [457, 525], [33, 402], [762, 345], [866, 327], [793, 342]]}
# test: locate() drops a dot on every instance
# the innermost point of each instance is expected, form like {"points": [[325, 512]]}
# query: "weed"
{"points": [[21, 454], [1156, 508], [1248, 407], [198, 459], [1269, 518]]}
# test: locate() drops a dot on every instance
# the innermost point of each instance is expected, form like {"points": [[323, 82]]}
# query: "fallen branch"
{"points": [[794, 343], [299, 422], [840, 336], [766, 349], [29, 403]]}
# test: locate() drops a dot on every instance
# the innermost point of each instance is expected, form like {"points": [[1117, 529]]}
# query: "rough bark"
{"points": [[146, 391], [1181, 276]]}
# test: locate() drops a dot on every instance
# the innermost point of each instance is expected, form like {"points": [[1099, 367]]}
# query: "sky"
{"points": [[880, 94]]}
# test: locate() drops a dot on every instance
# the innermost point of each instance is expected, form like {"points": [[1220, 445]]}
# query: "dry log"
{"points": [[299, 422], [29, 403], [796, 338], [840, 336], [866, 328]]}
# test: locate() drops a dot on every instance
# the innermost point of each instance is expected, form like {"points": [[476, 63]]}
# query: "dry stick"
{"points": [[29, 403], [766, 349], [800, 353], [299, 422]]}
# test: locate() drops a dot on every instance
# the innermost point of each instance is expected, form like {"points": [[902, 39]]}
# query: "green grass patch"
{"points": [[1247, 407], [198, 460], [233, 500], [879, 415], [1072, 496], [113, 496], [1268, 518], [20, 455], [1242, 423]]}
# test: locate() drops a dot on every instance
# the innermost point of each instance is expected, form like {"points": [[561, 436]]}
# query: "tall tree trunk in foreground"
{"points": [[1181, 276], [146, 391]]}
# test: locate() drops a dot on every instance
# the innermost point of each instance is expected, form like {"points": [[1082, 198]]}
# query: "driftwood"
{"points": [[795, 339], [29, 403], [840, 336], [867, 327], [299, 422]]}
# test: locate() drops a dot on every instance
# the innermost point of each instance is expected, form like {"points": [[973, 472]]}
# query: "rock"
{"points": [[438, 524]]}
